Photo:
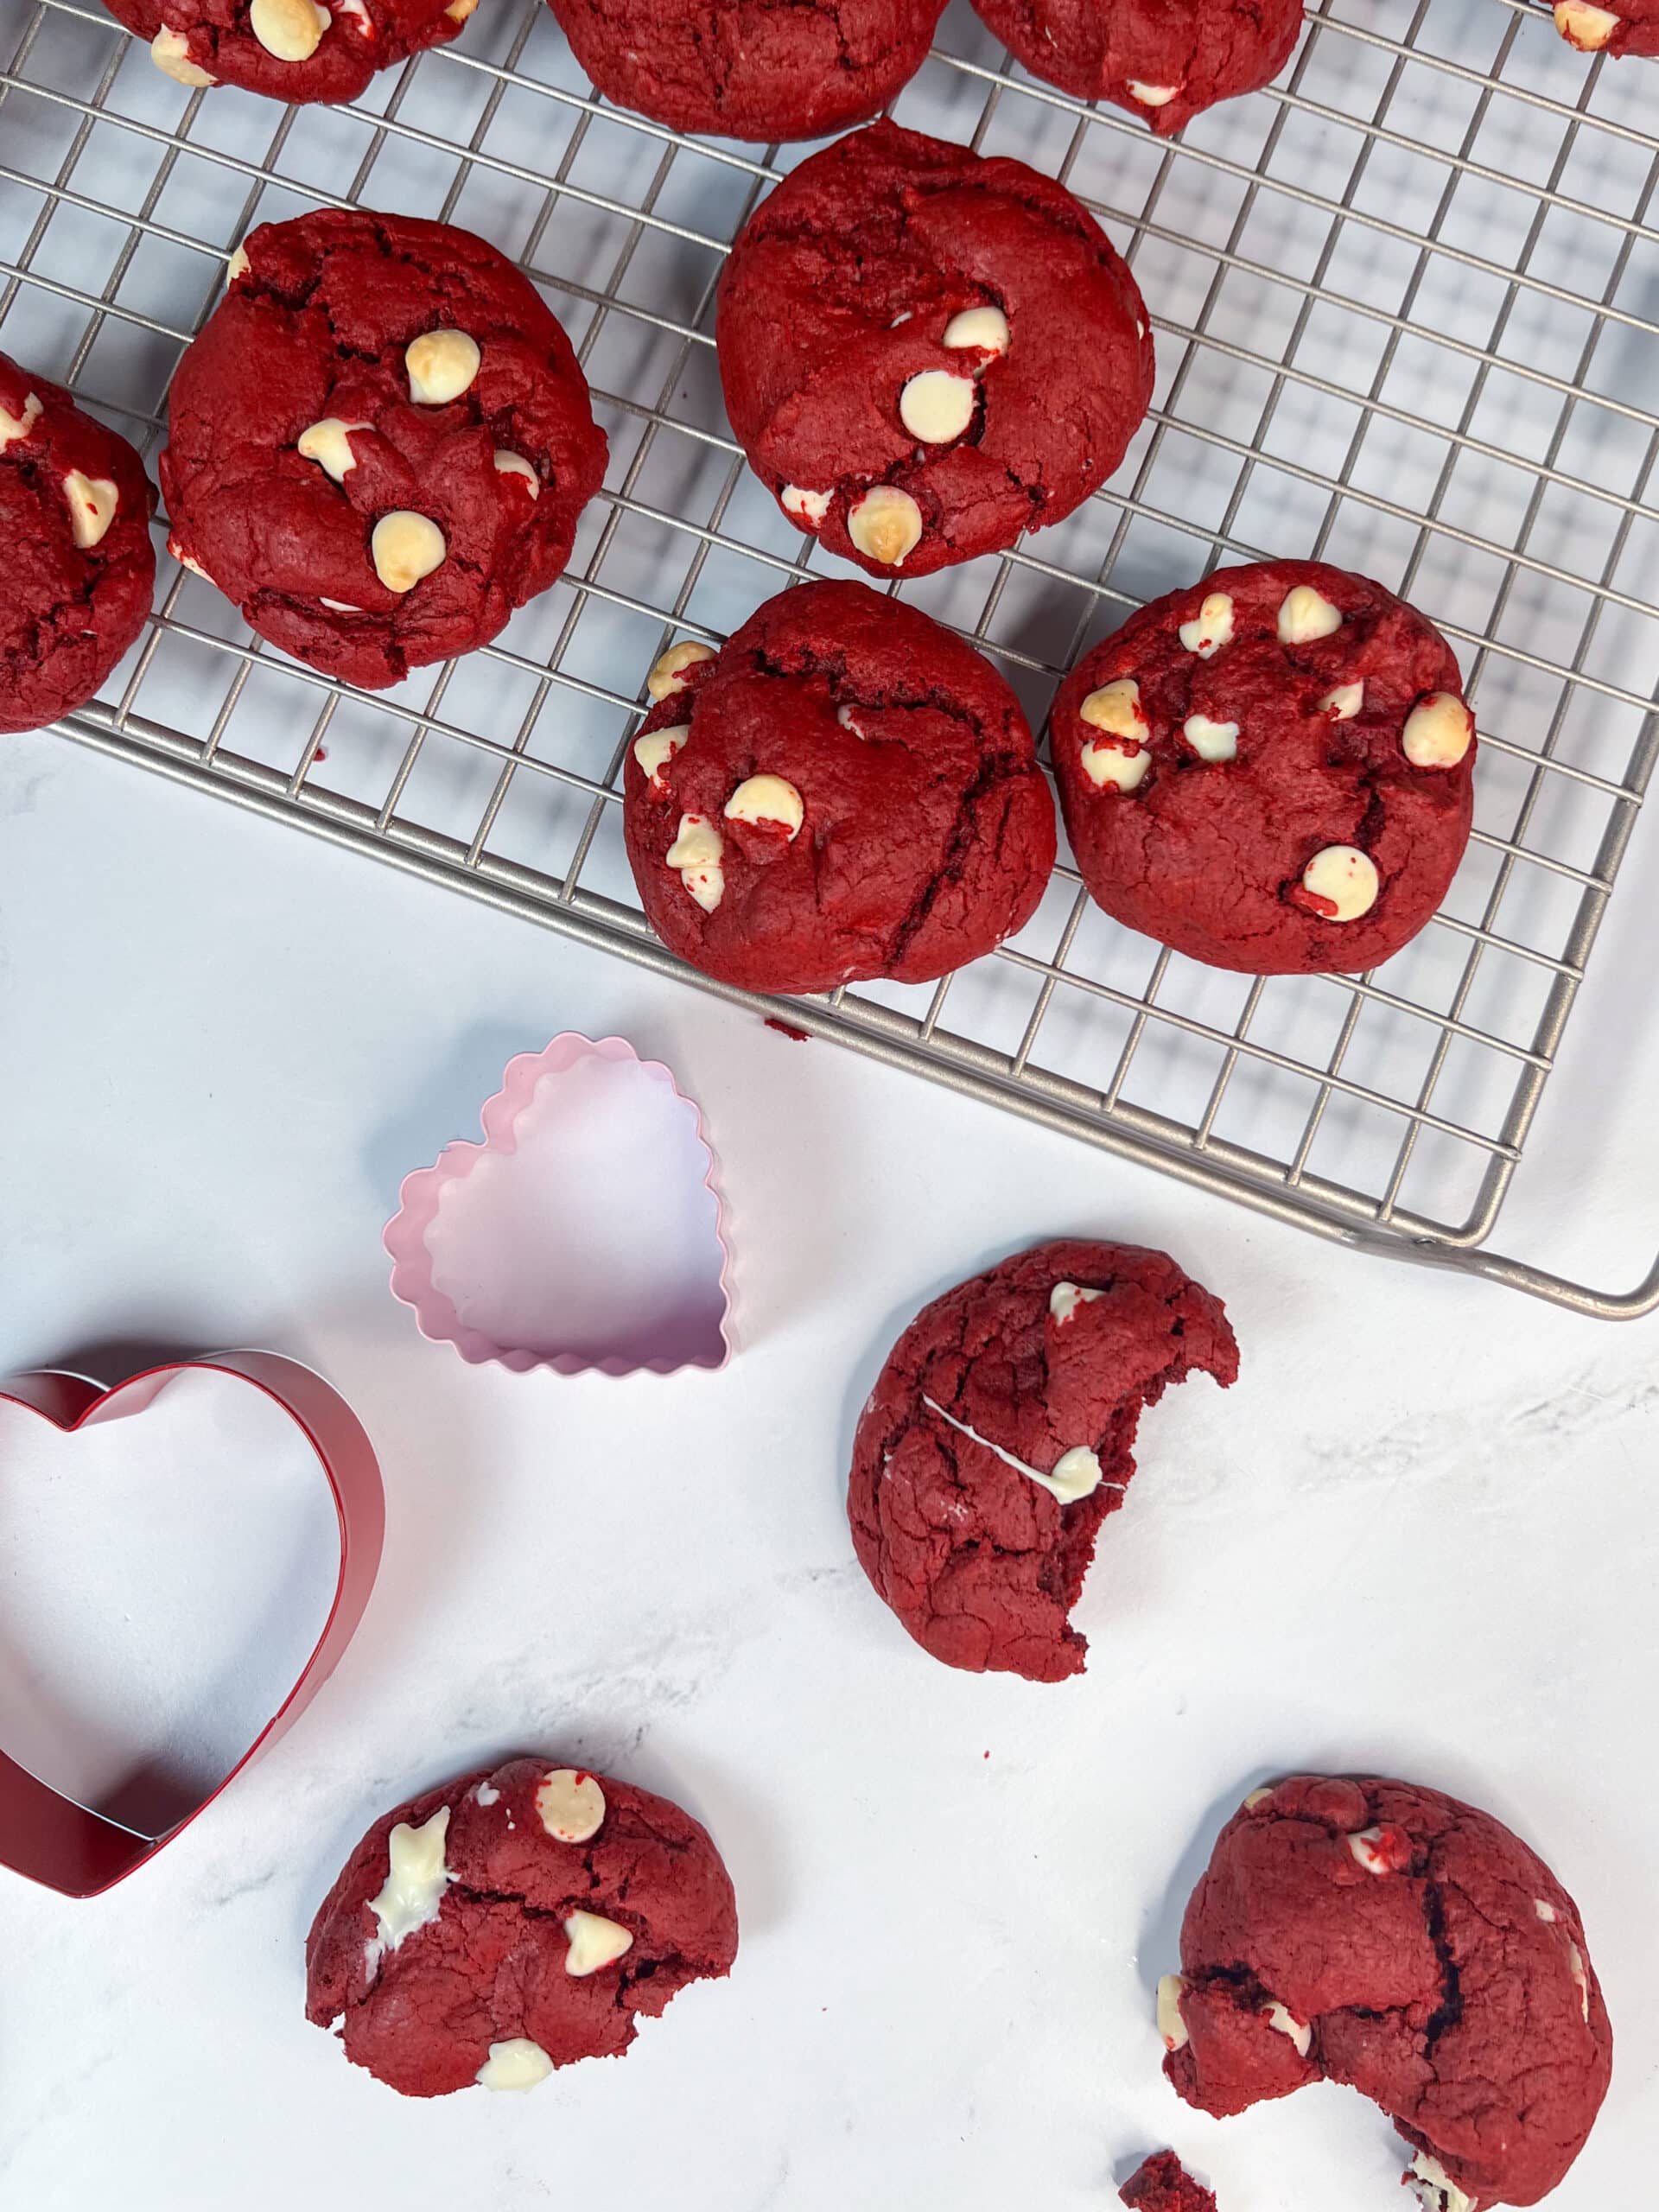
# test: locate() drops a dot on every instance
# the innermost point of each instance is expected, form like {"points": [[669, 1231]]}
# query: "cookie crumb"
{"points": [[1161, 2183]]}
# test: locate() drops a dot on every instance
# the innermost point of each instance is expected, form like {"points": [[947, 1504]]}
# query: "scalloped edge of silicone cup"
{"points": [[405, 1236]]}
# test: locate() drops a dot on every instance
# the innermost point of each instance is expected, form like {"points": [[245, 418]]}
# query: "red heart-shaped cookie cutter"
{"points": [[68, 1847]]}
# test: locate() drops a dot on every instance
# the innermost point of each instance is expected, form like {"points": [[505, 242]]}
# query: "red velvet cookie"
{"points": [[75, 517], [846, 791], [753, 69], [1386, 1937], [925, 353], [1633, 29], [513, 1921], [379, 444], [999, 1436], [295, 50], [1161, 2183], [1165, 60], [1271, 771]]}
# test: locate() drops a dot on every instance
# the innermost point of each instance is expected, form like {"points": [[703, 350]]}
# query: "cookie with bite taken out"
{"points": [[999, 1436], [1379, 1934]]}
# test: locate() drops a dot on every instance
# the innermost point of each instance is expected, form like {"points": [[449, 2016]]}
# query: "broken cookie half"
{"points": [[512, 1922], [998, 1438], [1384, 1935]]}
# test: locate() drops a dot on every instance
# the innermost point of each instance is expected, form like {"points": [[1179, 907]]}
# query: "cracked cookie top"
{"points": [[1164, 63], [1000, 1435], [752, 69], [296, 50], [925, 351], [512, 1922], [380, 442], [1384, 1935], [75, 513], [845, 791], [1271, 771]]}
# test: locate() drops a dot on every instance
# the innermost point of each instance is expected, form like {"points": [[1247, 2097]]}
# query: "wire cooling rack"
{"points": [[1405, 313]]}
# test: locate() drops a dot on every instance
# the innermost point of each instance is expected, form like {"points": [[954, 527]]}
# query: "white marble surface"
{"points": [[1419, 1535]]}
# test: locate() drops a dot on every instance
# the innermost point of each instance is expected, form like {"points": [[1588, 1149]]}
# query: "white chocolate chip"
{"points": [[1111, 761], [885, 524], [187, 560], [442, 364], [1065, 1299], [937, 405], [571, 1805], [1305, 614], [1257, 1797], [1373, 1848], [338, 606], [1545, 1910], [93, 502], [1075, 1474], [1437, 2191], [487, 1794], [1118, 757], [1438, 732], [1152, 95], [1345, 879], [847, 718], [1211, 740], [1580, 1978], [417, 1878], [516, 2064], [459, 10], [1210, 628], [807, 508], [1170, 2026], [668, 670], [985, 328], [656, 749], [289, 30], [514, 464], [768, 798], [405, 547], [594, 1942], [696, 852], [1588, 29], [1285, 2023], [170, 52], [13, 427], [1344, 702], [358, 14], [327, 442], [1116, 708], [237, 265]]}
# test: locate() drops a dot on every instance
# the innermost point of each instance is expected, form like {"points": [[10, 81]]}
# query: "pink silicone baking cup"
{"points": [[547, 1106]]}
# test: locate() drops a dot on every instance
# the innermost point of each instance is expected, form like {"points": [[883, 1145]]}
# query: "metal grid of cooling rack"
{"points": [[1404, 307]]}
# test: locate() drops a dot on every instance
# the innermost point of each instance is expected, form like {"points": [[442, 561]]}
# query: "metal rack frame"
{"points": [[1356, 375]]}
